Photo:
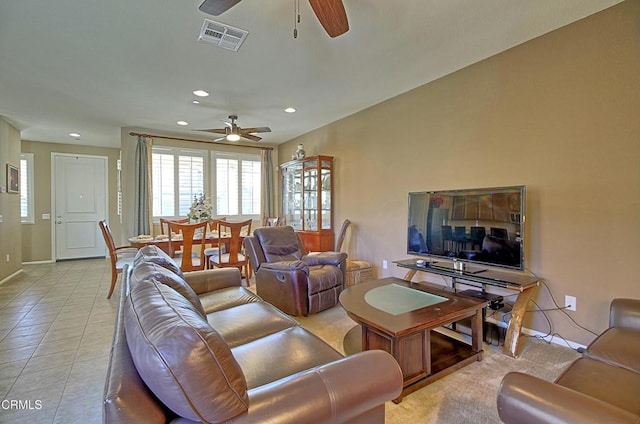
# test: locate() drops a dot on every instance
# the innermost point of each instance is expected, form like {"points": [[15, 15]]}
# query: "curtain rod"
{"points": [[201, 141]]}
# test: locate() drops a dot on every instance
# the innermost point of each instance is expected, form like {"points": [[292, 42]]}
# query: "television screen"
{"points": [[483, 226]]}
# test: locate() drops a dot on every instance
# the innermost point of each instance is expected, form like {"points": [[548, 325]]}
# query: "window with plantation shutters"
{"points": [[26, 188], [177, 176], [237, 184], [232, 181], [190, 181], [250, 186]]}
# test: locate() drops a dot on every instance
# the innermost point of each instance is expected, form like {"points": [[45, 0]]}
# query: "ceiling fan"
{"points": [[232, 132], [330, 13]]}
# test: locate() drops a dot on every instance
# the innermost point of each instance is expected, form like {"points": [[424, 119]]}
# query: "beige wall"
{"points": [[9, 203], [36, 238], [559, 114]]}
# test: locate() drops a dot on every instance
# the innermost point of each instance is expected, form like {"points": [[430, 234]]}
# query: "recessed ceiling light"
{"points": [[201, 93], [195, 102], [290, 110], [74, 135], [183, 123]]}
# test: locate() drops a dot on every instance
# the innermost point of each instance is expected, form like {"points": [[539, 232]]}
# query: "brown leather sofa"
{"points": [[603, 386], [200, 347], [295, 282]]}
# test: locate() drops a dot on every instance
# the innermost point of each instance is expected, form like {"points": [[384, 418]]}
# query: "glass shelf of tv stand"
{"points": [[474, 273], [524, 284]]}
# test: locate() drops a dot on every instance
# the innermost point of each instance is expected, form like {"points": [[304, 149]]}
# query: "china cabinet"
{"points": [[307, 200]]}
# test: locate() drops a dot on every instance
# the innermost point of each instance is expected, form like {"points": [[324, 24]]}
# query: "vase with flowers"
{"points": [[201, 209]]}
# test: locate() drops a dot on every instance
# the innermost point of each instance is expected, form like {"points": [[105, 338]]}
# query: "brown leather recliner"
{"points": [[295, 282], [602, 386]]}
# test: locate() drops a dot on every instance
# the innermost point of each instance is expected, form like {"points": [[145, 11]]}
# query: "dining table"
{"points": [[162, 240]]}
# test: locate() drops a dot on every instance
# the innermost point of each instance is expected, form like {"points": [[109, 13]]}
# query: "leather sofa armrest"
{"points": [[335, 392], [525, 399], [285, 266], [625, 313], [325, 258], [210, 280]]}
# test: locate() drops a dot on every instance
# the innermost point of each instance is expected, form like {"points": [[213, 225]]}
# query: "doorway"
{"points": [[79, 200]]}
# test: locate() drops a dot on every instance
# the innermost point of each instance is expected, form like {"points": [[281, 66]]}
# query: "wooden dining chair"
{"points": [[234, 255], [212, 250], [357, 270], [193, 242], [164, 224], [272, 221], [164, 230], [119, 255]]}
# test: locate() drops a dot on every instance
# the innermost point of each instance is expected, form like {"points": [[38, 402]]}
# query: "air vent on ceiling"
{"points": [[222, 35]]}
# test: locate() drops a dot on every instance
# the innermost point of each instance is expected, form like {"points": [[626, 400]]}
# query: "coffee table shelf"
{"points": [[424, 355]]}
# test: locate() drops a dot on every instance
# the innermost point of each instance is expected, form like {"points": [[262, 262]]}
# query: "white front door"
{"points": [[80, 201]]}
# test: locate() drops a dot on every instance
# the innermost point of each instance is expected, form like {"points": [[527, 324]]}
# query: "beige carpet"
{"points": [[466, 396]]}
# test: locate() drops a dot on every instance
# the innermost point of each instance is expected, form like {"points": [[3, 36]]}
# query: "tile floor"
{"points": [[56, 326]]}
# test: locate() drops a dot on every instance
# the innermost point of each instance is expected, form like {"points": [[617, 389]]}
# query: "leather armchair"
{"points": [[600, 387], [295, 282]]}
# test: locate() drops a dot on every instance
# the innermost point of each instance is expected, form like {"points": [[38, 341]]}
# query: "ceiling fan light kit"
{"points": [[232, 132]]}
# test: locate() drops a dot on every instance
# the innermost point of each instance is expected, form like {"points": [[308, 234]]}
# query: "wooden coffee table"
{"points": [[424, 355]]}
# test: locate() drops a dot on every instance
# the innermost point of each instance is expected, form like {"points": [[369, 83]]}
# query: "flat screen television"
{"points": [[481, 226]]}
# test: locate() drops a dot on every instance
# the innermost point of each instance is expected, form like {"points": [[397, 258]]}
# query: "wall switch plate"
{"points": [[46, 216], [1, 218], [385, 265]]}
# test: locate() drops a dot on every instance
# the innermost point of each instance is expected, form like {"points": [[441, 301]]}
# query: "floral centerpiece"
{"points": [[201, 209]]}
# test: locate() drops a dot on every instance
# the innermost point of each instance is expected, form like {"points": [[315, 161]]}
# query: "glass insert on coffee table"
{"points": [[399, 317]]}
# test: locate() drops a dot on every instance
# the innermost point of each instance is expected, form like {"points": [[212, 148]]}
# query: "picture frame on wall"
{"points": [[13, 179]]}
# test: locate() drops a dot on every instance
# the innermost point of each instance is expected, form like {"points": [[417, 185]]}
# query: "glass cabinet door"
{"points": [[310, 185], [307, 186], [292, 204], [325, 194]]}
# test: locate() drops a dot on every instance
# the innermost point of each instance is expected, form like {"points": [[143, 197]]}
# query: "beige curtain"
{"points": [[269, 208], [143, 212]]}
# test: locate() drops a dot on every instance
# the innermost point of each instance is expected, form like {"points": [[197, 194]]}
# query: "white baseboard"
{"points": [[38, 262], [10, 276], [548, 338]]}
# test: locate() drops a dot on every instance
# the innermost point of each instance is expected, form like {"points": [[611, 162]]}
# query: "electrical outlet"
{"points": [[570, 301], [8, 257], [385, 265]]}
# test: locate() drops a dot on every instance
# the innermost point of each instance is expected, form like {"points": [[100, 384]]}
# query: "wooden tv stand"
{"points": [[482, 277]]}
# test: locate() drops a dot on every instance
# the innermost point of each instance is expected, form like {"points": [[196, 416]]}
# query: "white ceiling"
{"points": [[92, 66]]}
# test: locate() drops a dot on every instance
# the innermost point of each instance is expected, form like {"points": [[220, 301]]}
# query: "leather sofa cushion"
{"points": [[154, 254], [289, 351], [617, 346], [227, 298], [183, 361], [614, 385], [245, 323], [279, 244], [151, 270]]}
